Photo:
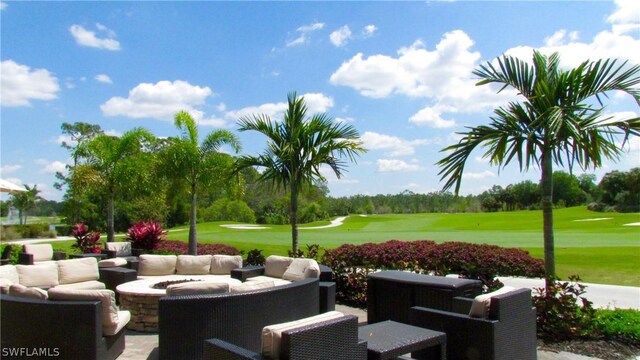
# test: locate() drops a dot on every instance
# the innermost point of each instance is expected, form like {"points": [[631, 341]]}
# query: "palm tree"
{"points": [[558, 123], [296, 149], [25, 201], [194, 163], [110, 165]]}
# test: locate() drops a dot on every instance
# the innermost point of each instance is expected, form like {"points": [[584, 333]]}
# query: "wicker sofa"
{"points": [[185, 322]]}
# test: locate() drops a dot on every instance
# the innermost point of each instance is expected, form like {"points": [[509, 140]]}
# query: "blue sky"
{"points": [[399, 72]]}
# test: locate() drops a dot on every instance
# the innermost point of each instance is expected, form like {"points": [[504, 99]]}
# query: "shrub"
{"points": [[255, 257], [621, 324], [64, 230], [176, 247], [312, 252], [28, 231], [562, 313], [88, 242], [145, 235]]}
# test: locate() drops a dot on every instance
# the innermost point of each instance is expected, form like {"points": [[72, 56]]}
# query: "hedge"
{"points": [[181, 248]]}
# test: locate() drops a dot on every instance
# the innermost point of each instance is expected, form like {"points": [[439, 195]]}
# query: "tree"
{"points": [[110, 165], [195, 164], [25, 201], [296, 149], [558, 122]]}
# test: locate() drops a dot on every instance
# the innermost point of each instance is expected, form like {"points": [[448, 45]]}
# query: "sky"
{"points": [[399, 72]]}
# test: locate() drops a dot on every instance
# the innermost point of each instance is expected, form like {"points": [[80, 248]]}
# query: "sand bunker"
{"points": [[334, 223], [244, 226], [594, 219], [632, 224]]}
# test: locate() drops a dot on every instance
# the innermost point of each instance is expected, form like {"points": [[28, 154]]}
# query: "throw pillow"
{"points": [[482, 303], [276, 266], [40, 275]]}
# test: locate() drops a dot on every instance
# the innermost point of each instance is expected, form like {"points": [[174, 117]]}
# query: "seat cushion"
{"points": [[251, 286], [78, 270], [27, 292], [482, 303], [115, 262], [41, 252], [276, 281], [124, 316], [40, 275], [107, 300], [5, 285], [223, 264], [301, 269], [157, 265], [10, 273], [122, 248], [272, 334], [275, 266], [198, 288], [84, 285], [193, 264]]}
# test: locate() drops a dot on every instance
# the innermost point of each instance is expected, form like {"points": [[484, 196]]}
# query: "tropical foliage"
{"points": [[146, 235], [88, 242], [25, 201]]}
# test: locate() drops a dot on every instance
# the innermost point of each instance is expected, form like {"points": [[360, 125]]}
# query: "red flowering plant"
{"points": [[145, 235], [86, 241]]}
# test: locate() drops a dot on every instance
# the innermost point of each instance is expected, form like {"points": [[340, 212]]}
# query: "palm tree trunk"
{"points": [[193, 243], [294, 217], [110, 210], [547, 218]]}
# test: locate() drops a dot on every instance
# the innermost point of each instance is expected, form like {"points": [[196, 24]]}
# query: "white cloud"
{"points": [[65, 139], [20, 84], [304, 36], [369, 30], [344, 120], [431, 116], [89, 38], [103, 78], [341, 36], [3, 5], [8, 169], [221, 107], [394, 165], [331, 177], [393, 145], [52, 167], [311, 27], [316, 103], [479, 175], [626, 17], [159, 101]]}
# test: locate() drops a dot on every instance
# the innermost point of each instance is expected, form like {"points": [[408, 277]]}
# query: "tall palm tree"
{"points": [[25, 201], [296, 149], [109, 165], [560, 122], [194, 163]]}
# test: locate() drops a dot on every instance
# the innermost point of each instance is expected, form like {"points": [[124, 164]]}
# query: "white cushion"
{"points": [[157, 264], [482, 303], [276, 281], [124, 316], [107, 299], [41, 252], [78, 270], [115, 262], [193, 264], [223, 264], [275, 266], [5, 285], [122, 248], [27, 292], [40, 275], [251, 286], [301, 269], [84, 285], [197, 288], [10, 273], [272, 334]]}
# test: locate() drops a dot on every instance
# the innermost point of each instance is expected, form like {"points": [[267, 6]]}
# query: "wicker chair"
{"points": [[36, 253], [509, 331], [121, 250], [335, 339]]}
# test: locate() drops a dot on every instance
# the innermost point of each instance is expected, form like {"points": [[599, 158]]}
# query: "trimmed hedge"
{"points": [[351, 264], [29, 231], [181, 248]]}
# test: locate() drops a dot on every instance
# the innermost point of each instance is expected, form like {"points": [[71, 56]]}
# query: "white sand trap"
{"points": [[594, 219], [334, 223], [244, 227], [632, 224]]}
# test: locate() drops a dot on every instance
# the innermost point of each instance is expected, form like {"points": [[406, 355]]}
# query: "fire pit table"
{"points": [[141, 299]]}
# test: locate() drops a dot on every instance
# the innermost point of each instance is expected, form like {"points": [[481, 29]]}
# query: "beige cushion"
{"points": [[223, 264], [107, 298], [124, 317], [193, 264], [115, 262], [84, 285], [10, 273], [482, 303], [40, 275], [5, 285], [122, 248], [197, 288], [27, 292], [251, 286], [272, 334], [301, 269], [41, 252], [275, 266], [78, 270], [276, 281], [157, 264]]}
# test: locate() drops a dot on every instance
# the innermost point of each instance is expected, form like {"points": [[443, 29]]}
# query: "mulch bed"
{"points": [[603, 349]]}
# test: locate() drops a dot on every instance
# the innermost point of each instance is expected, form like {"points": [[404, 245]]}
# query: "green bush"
{"points": [[229, 210], [28, 231], [622, 324], [255, 257]]}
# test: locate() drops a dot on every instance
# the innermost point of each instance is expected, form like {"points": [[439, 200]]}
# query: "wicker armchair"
{"points": [[36, 253], [335, 339], [509, 331], [121, 250]]}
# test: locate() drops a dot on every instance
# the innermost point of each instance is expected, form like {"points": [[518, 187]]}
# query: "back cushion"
{"points": [[223, 264], [78, 270], [122, 248], [197, 288], [275, 266], [106, 297], [482, 303], [193, 265], [157, 265], [41, 252], [272, 334], [301, 269], [5, 285], [23, 291], [252, 285], [40, 275], [10, 273]]}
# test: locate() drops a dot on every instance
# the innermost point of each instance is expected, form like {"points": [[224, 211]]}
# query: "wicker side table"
{"points": [[390, 339]]}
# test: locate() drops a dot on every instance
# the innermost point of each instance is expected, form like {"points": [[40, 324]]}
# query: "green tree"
{"points": [[196, 164], [296, 149], [110, 165], [25, 201], [566, 189], [558, 122]]}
